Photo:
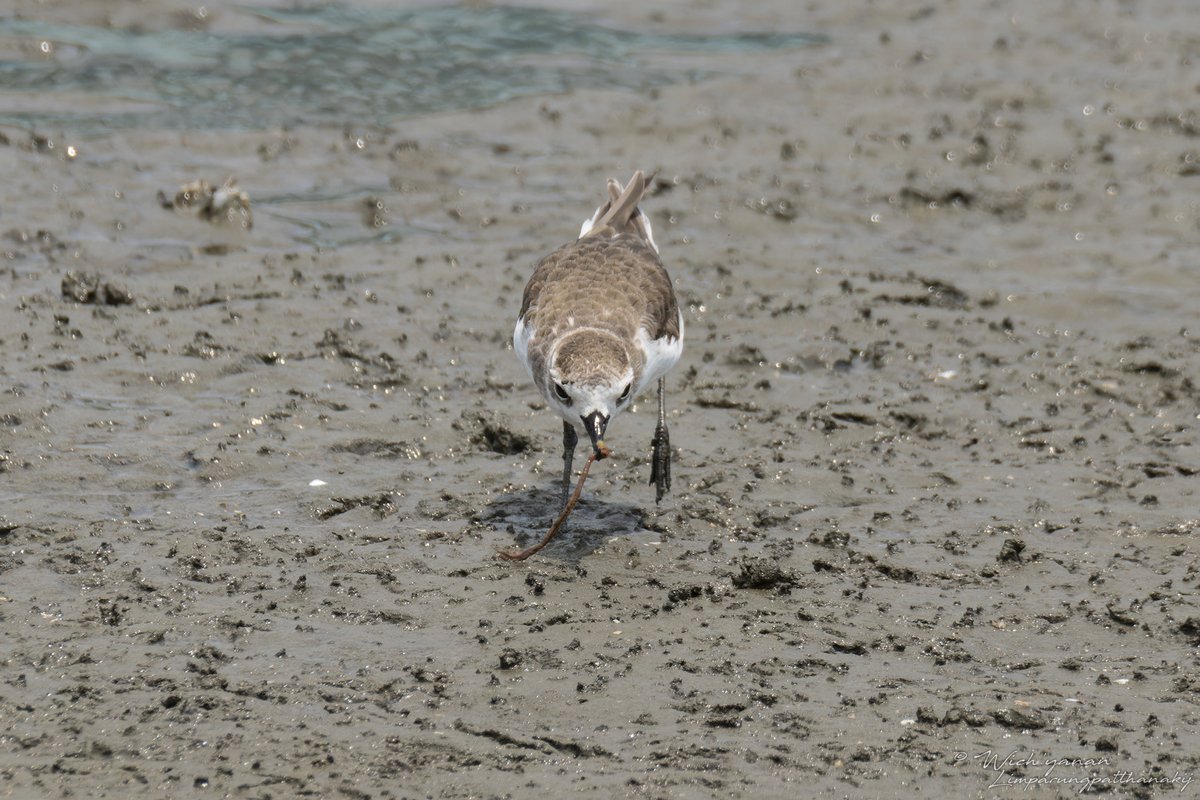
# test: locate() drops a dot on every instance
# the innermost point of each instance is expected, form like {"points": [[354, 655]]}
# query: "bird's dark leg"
{"points": [[660, 463], [570, 439]]}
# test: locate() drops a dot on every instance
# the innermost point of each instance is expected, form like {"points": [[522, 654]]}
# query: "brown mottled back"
{"points": [[612, 283]]}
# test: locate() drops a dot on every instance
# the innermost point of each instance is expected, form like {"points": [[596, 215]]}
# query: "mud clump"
{"points": [[501, 440], [763, 573], [1011, 550], [91, 288], [488, 432], [225, 204]]}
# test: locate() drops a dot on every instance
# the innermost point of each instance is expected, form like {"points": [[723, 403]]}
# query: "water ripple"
{"points": [[336, 64]]}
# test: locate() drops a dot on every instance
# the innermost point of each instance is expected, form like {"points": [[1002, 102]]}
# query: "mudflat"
{"points": [[936, 470]]}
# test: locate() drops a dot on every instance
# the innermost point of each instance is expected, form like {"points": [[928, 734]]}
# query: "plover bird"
{"points": [[599, 324]]}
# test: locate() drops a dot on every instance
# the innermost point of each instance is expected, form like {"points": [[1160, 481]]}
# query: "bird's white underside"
{"points": [[521, 336], [661, 354]]}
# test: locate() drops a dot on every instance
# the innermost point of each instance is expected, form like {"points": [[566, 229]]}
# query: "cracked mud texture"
{"points": [[935, 432]]}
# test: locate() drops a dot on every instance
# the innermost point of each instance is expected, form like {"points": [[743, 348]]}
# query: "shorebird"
{"points": [[599, 324]]}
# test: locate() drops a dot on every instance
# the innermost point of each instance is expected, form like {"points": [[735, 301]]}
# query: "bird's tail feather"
{"points": [[620, 213]]}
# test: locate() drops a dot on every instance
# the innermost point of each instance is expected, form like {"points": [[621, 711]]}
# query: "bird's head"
{"points": [[590, 381]]}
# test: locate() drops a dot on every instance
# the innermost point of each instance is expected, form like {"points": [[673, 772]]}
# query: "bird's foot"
{"points": [[660, 463]]}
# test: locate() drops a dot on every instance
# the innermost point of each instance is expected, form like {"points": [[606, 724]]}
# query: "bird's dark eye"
{"points": [[625, 394], [561, 393]]}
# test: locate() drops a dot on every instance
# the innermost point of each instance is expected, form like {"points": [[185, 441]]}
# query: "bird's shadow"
{"points": [[523, 517]]}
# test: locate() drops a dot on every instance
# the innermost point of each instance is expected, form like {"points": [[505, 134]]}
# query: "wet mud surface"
{"points": [[935, 426]]}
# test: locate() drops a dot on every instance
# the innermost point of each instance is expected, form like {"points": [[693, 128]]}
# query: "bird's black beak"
{"points": [[595, 423]]}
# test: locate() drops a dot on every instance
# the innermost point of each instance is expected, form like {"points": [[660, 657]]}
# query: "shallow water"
{"points": [[338, 64]]}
